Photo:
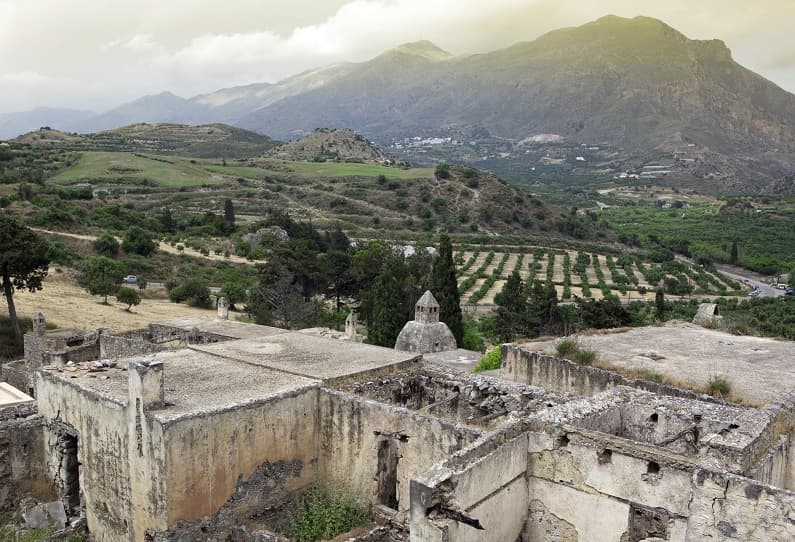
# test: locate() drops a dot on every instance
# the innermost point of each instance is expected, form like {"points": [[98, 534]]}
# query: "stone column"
{"points": [[146, 385], [223, 308]]}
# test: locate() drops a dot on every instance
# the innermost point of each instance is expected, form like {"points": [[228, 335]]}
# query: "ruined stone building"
{"points": [[200, 429]]}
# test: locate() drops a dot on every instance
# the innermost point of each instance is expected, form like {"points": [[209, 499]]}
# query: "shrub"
{"points": [[472, 339], [323, 514], [490, 361], [719, 386], [566, 347], [106, 245], [128, 296], [585, 356], [193, 292]]}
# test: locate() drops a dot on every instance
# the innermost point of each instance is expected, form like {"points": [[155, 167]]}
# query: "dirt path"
{"points": [[162, 247]]}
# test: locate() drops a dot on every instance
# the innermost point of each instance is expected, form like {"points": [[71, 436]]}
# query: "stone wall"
{"points": [[379, 448], [563, 375], [23, 460], [16, 374], [122, 346], [84, 352]]}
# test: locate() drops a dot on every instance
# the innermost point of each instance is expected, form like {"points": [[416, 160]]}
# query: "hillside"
{"points": [[332, 144], [612, 96], [202, 141]]}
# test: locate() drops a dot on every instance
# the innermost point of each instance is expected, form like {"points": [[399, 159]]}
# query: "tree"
{"points": [[234, 292], [444, 286], [229, 212], [138, 241], [128, 297], [102, 276], [511, 309], [106, 245], [659, 303], [388, 316], [278, 298], [193, 292], [142, 284], [23, 263], [733, 256]]}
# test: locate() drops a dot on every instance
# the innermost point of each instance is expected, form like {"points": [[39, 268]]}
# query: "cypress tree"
{"points": [[659, 303], [444, 288], [734, 255], [511, 310], [387, 308], [229, 212]]}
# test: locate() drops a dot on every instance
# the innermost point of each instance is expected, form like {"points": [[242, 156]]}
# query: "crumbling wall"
{"points": [[101, 427], [726, 508], [479, 494], [604, 489], [117, 346], [269, 447], [558, 374], [16, 373], [84, 352], [23, 460], [163, 334], [355, 433]]}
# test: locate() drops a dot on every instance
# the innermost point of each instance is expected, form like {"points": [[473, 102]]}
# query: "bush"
{"points": [[719, 386], [138, 241], [106, 245], [193, 292], [490, 361], [323, 514], [128, 296], [585, 356], [566, 347], [472, 340]]}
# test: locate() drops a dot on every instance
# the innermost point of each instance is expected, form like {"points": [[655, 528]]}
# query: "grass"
{"points": [[566, 347], [121, 167], [490, 361], [719, 386], [322, 514], [585, 356]]}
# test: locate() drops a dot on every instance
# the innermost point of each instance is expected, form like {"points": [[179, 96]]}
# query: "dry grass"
{"points": [[69, 306]]}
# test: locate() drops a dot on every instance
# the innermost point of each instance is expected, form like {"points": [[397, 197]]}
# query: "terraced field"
{"points": [[482, 274]]}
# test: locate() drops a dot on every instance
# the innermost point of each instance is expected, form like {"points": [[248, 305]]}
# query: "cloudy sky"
{"points": [[96, 54]]}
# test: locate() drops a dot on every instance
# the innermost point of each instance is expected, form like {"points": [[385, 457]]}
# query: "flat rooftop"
{"points": [[760, 369], [10, 396], [225, 328], [309, 356], [195, 382]]}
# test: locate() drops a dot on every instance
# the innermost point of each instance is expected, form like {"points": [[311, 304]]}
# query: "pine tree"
{"points": [[511, 310], [734, 253], [229, 212], [387, 312], [444, 287]]}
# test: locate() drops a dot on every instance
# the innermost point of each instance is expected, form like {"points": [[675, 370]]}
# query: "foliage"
{"points": [[585, 356], [102, 276], [473, 340], [106, 245], [194, 292], [24, 263], [322, 514], [511, 309], [128, 296], [490, 361], [566, 347], [719, 386], [444, 286], [138, 241]]}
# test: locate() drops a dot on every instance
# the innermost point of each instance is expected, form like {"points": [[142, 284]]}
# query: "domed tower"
{"points": [[426, 334]]}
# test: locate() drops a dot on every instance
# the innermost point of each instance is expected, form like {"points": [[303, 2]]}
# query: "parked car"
{"points": [[789, 291], [755, 293], [131, 279]]}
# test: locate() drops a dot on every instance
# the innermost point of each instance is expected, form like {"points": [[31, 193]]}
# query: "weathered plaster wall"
{"points": [[352, 430], [207, 457], [23, 461], [16, 374], [727, 508], [595, 488], [557, 374], [101, 425]]}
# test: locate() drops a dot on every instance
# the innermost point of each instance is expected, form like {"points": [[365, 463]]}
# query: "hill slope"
{"points": [[332, 144], [202, 141]]}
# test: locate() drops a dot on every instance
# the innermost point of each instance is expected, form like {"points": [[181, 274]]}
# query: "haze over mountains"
{"points": [[636, 84]]}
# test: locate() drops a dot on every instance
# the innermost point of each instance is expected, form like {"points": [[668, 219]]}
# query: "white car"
{"points": [[131, 279]]}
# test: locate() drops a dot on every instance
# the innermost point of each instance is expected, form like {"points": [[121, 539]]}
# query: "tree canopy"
{"points": [[102, 276], [444, 286], [23, 263]]}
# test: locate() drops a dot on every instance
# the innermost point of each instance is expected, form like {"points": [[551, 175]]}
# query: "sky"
{"points": [[97, 54]]}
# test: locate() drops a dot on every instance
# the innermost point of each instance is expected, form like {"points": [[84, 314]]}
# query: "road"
{"points": [[766, 289]]}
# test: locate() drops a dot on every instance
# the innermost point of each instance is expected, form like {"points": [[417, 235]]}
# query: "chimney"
{"points": [[146, 384]]}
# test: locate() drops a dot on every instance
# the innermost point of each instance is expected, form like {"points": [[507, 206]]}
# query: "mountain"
{"points": [[636, 89], [13, 124], [332, 144], [198, 141]]}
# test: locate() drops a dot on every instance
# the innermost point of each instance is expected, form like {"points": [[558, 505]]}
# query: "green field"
{"points": [[765, 235], [322, 169], [118, 167]]}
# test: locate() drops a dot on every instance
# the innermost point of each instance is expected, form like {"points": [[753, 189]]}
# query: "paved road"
{"points": [[766, 289]]}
